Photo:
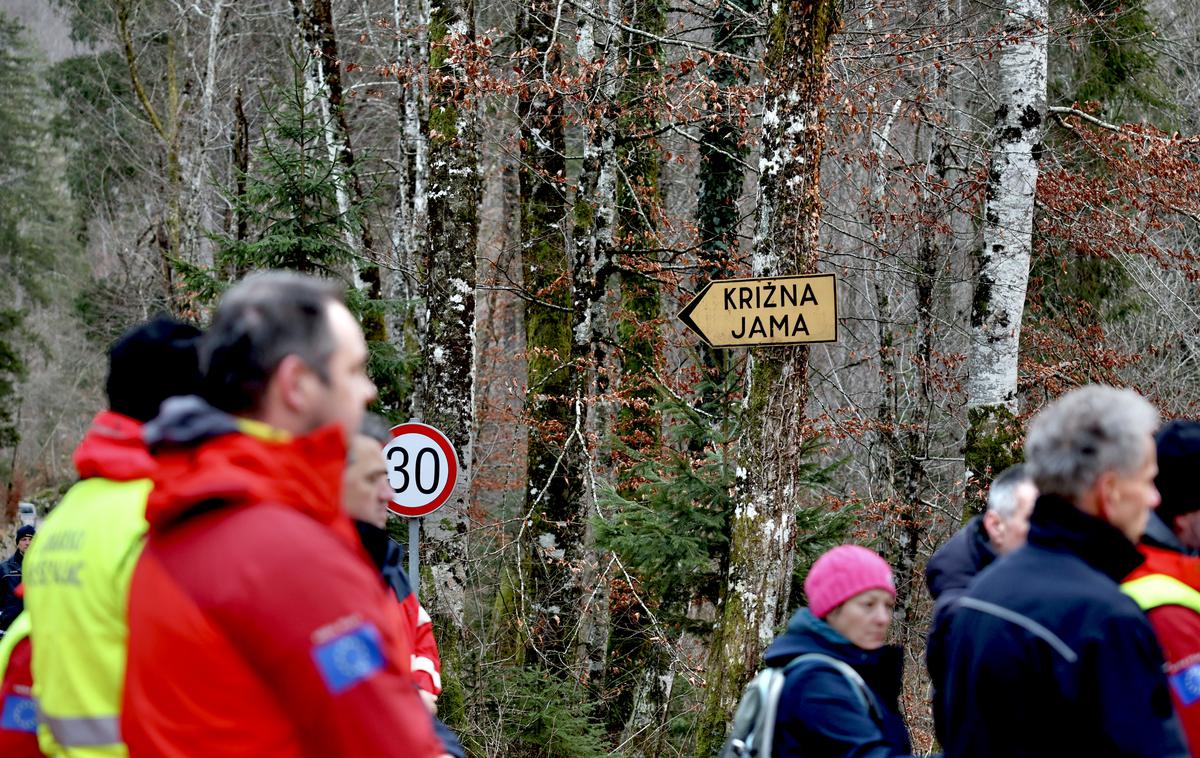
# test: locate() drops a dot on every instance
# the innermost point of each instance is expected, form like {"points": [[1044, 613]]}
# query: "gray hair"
{"points": [[1085, 433], [1002, 495], [260, 321]]}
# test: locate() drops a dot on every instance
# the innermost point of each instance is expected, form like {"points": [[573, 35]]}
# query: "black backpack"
{"points": [[754, 721]]}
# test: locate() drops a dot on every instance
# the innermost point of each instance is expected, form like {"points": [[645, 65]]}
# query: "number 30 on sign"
{"points": [[422, 469]]}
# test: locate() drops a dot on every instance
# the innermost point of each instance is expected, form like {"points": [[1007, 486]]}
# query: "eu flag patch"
{"points": [[349, 658], [19, 714], [1186, 684]]}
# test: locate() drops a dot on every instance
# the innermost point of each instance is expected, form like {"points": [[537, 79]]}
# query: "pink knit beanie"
{"points": [[842, 573]]}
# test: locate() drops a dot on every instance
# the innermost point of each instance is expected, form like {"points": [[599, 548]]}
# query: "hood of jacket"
{"points": [[113, 449], [882, 669], [208, 459], [957, 562], [1057, 525]]}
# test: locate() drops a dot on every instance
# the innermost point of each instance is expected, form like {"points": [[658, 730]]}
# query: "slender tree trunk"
{"points": [[196, 212], [722, 171], [639, 204], [771, 485], [593, 305], [543, 591], [999, 299], [240, 157], [410, 218], [448, 289], [323, 82], [166, 126]]}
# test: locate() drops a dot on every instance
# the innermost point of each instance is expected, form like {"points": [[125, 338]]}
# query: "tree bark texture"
{"points": [[722, 170], [593, 310], [546, 594], [999, 298], [448, 282], [786, 242]]}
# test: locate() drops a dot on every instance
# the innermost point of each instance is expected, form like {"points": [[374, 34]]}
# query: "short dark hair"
{"points": [[376, 427], [261, 320], [149, 363]]}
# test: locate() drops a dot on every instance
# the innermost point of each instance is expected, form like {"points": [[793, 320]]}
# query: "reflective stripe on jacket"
{"points": [[1156, 590]]}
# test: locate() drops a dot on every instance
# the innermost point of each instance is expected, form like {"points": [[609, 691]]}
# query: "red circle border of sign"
{"points": [[413, 427]]}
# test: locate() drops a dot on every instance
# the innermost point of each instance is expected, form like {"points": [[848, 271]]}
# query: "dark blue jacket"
{"points": [[948, 573], [10, 578], [820, 716], [1046, 656]]}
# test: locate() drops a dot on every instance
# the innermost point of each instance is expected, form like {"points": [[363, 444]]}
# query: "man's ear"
{"points": [[994, 527], [293, 379]]}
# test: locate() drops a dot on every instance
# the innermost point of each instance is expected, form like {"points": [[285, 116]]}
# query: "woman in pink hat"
{"points": [[842, 688]]}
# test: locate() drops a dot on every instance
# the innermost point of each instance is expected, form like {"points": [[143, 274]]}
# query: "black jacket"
{"points": [[948, 574], [10, 578], [820, 716], [1046, 656]]}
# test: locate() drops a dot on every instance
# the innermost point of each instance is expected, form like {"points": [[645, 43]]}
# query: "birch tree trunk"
{"points": [[770, 477], [999, 298], [196, 212], [323, 83], [410, 216]]}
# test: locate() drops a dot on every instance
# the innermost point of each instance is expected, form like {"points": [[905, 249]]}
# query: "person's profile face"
{"points": [[1128, 498], [1014, 530], [365, 488]]}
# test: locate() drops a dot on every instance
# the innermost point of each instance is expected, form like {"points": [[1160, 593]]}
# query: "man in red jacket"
{"points": [[257, 624], [1167, 585]]}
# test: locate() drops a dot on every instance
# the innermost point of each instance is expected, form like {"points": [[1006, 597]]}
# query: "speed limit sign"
{"points": [[422, 469]]}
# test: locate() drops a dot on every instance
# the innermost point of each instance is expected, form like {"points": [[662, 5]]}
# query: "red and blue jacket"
{"points": [[257, 625]]}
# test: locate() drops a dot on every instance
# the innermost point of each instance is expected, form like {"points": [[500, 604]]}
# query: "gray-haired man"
{"points": [[1045, 655], [1000, 530]]}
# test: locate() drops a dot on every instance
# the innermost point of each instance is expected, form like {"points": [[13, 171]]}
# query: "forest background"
{"points": [[521, 196]]}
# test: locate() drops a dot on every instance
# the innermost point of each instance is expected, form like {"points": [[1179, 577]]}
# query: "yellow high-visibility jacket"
{"points": [[77, 574]]}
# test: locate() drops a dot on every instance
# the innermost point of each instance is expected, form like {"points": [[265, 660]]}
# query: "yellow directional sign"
{"points": [[778, 310]]}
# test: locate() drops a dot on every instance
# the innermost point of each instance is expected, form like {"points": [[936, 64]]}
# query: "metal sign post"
{"points": [[414, 555]]}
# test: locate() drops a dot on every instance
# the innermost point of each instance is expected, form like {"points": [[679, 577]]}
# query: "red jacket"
{"points": [[257, 625], [388, 556], [113, 449], [18, 714], [1178, 630]]}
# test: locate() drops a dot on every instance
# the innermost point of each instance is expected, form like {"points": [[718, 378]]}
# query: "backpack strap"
{"points": [[866, 698]]}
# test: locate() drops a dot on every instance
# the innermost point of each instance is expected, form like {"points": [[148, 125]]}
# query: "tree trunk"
{"points": [[770, 482], [323, 83], [448, 290], [722, 171], [543, 591], [999, 298], [593, 305], [197, 212]]}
